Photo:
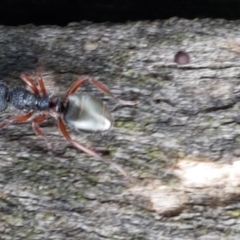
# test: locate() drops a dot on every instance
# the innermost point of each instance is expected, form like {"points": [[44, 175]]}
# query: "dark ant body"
{"points": [[22, 99], [81, 111]]}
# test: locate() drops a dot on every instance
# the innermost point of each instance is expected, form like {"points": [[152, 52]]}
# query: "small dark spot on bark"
{"points": [[181, 58], [157, 101]]}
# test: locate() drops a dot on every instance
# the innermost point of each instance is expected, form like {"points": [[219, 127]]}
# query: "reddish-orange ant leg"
{"points": [[24, 118], [32, 85], [73, 88], [85, 149], [39, 119], [81, 147], [35, 125], [29, 82], [40, 82], [104, 89], [17, 119], [83, 79]]}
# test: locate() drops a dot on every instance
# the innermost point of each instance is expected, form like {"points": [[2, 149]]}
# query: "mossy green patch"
{"points": [[154, 154], [237, 139], [48, 217], [235, 213], [211, 120], [212, 131], [132, 126], [93, 178], [181, 154], [201, 231]]}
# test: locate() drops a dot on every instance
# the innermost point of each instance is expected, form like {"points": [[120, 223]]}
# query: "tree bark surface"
{"points": [[181, 143]]}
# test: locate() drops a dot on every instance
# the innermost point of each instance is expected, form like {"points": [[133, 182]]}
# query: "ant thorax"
{"points": [[87, 113]]}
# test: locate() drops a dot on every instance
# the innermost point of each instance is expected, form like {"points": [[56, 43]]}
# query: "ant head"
{"points": [[87, 113], [59, 106]]}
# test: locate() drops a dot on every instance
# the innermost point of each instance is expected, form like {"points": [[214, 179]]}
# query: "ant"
{"points": [[80, 111]]}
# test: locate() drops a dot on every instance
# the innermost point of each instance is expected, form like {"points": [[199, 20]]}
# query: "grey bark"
{"points": [[180, 143]]}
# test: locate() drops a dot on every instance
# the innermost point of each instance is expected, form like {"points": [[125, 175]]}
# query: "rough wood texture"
{"points": [[181, 142]]}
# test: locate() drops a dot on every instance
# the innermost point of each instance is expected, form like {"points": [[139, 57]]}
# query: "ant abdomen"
{"points": [[22, 99]]}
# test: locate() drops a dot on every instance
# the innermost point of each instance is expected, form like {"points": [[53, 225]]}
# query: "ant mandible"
{"points": [[79, 110]]}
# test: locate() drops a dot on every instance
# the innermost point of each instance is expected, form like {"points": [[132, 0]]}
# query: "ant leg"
{"points": [[17, 119], [35, 125], [40, 82], [100, 86], [63, 129], [73, 88], [90, 152], [83, 79], [105, 89], [29, 82], [36, 121]]}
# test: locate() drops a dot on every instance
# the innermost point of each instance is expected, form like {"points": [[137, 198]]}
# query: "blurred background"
{"points": [[62, 12]]}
